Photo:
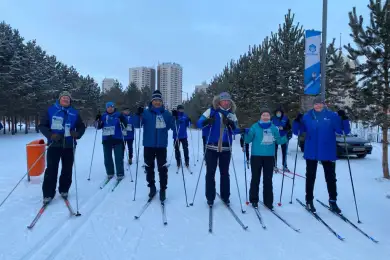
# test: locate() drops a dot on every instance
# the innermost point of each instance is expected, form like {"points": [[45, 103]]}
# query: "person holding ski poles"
{"points": [[61, 124], [129, 134], [264, 137], [156, 122], [281, 121], [222, 121], [181, 123], [112, 124], [321, 126]]}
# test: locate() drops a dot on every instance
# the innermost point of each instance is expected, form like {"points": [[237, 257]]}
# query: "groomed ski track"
{"points": [[107, 229]]}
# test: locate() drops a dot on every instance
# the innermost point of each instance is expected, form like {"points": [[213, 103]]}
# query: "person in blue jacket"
{"points": [[156, 122], [129, 133], [1, 126], [222, 121], [181, 123], [281, 121], [61, 124], [321, 126], [264, 136], [112, 124]]}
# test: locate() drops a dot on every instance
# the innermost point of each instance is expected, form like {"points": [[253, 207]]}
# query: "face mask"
{"points": [[278, 114]]}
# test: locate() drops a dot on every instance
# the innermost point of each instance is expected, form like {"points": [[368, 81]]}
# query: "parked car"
{"points": [[354, 144]]}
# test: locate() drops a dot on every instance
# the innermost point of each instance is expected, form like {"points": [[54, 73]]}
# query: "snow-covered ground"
{"points": [[107, 228]]}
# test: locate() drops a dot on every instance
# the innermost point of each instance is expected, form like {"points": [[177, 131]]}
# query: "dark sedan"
{"points": [[355, 146]]}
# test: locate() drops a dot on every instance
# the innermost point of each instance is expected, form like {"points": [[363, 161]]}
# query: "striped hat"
{"points": [[157, 95]]}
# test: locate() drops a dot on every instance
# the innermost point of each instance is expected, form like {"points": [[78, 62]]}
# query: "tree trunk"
{"points": [[36, 123], [5, 126], [9, 124], [385, 152], [13, 124], [26, 124]]}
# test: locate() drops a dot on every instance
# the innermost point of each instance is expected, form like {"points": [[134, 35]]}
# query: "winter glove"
{"points": [[55, 137], [342, 114], [228, 122], [299, 117], [140, 110], [209, 121], [174, 113], [280, 127], [244, 130], [98, 117], [74, 134]]}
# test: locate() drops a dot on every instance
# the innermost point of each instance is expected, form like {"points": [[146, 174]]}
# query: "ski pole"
{"points": [[198, 146], [295, 167], [75, 177], [281, 189], [350, 174], [176, 142], [201, 167], [234, 167], [246, 182], [28, 171], [136, 171], [93, 152]]}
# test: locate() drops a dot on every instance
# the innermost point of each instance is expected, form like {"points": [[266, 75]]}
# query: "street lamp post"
{"points": [[187, 94], [323, 47]]}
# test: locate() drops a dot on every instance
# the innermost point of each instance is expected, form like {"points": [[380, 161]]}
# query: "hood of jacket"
{"points": [[216, 101]]}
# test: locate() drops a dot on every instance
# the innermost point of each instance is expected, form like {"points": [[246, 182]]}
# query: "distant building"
{"points": [[170, 83], [202, 87], [107, 84], [143, 76]]}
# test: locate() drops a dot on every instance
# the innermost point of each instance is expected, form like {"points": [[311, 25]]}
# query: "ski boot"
{"points": [[47, 200], [130, 161], [187, 165], [310, 206], [285, 169], [226, 201], [120, 177], [255, 205], [276, 169], [333, 207], [210, 203], [152, 191], [64, 195]]}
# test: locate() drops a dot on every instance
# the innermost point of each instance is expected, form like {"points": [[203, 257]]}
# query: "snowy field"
{"points": [[107, 228]]}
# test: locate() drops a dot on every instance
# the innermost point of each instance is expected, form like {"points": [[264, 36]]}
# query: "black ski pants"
{"points": [[53, 157], [118, 149], [184, 144], [150, 155], [330, 177], [214, 159], [284, 154], [263, 164]]}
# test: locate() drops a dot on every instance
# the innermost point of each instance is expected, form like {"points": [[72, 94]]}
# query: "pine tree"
{"points": [[373, 45]]}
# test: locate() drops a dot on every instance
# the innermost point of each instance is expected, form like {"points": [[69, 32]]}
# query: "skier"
{"points": [[222, 121], [129, 134], [181, 123], [156, 121], [61, 124], [1, 126], [321, 126], [264, 137], [112, 124], [281, 121]]}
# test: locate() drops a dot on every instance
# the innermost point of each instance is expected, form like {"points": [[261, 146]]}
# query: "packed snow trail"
{"points": [[107, 228]]}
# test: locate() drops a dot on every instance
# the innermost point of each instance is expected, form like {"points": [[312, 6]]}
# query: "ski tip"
{"points": [[29, 227], [246, 228]]}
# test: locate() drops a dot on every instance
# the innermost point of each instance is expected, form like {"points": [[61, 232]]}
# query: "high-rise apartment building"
{"points": [[170, 83], [143, 76], [107, 84], [202, 87]]}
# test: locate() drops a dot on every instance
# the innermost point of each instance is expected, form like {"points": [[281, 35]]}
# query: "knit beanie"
{"points": [[265, 110], [64, 93], [157, 95], [318, 100], [225, 96]]}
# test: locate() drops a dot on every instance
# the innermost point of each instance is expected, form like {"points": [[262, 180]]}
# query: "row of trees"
{"points": [[31, 80], [271, 74]]}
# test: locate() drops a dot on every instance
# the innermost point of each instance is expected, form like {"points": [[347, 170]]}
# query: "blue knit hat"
{"points": [[225, 96], [157, 95], [110, 104]]}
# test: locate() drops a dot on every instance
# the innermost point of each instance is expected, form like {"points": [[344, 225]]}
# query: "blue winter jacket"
{"points": [[156, 123], [181, 124], [321, 129], [61, 120], [129, 131], [1, 126], [215, 129], [112, 126], [281, 122]]}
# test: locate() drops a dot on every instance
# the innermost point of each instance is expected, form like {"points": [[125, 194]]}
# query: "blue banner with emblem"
{"points": [[312, 74]]}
